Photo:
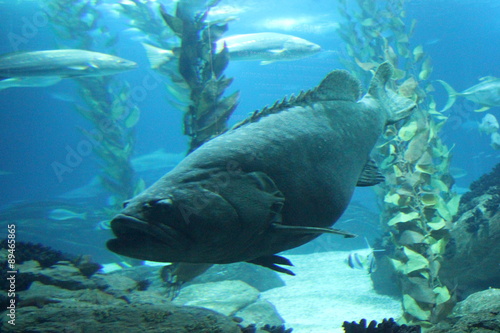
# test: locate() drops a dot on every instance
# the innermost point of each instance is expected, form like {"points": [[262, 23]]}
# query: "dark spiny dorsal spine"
{"points": [[301, 99]]}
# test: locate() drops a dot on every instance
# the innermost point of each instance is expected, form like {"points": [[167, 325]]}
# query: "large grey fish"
{"points": [[271, 183], [46, 67], [485, 93]]}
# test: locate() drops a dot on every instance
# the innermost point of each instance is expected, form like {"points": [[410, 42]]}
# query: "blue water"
{"points": [[39, 124]]}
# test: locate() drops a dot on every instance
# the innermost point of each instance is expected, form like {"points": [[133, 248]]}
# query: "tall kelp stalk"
{"points": [[202, 69], [109, 106], [416, 199], [190, 61]]}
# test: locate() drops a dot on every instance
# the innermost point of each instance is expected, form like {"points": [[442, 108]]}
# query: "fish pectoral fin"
{"points": [[277, 51], [266, 62], [78, 68], [370, 175], [256, 195], [484, 108], [488, 78], [311, 230], [272, 262]]}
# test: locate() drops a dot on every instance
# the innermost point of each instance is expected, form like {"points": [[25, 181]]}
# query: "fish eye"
{"points": [[164, 203]]}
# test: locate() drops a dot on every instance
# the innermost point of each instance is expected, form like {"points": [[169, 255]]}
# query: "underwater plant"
{"points": [[195, 69], [416, 199], [109, 106]]}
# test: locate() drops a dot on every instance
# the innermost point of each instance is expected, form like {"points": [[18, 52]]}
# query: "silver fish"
{"points": [[486, 93], [48, 66], [495, 141], [61, 214], [489, 124], [267, 47]]}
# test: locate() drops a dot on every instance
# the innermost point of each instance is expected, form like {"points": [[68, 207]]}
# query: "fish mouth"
{"points": [[142, 240]]}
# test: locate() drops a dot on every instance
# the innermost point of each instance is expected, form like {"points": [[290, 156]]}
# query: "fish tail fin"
{"points": [[397, 107], [484, 108], [452, 95], [157, 56]]}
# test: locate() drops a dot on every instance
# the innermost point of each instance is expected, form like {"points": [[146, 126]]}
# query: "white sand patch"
{"points": [[326, 292]]}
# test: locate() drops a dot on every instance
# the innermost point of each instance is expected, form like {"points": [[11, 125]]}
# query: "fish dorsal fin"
{"points": [[370, 175], [277, 107], [338, 85]]}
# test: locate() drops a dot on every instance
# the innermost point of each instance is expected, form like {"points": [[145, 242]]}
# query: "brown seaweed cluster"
{"points": [[386, 326], [416, 200]]}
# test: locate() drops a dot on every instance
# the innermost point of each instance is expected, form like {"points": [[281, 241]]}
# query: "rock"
{"points": [[226, 297], [148, 297], [260, 313], [473, 253], [485, 322], [119, 286], [29, 267], [92, 296], [119, 319], [478, 313], [260, 278], [483, 301], [28, 272], [61, 298], [64, 275]]}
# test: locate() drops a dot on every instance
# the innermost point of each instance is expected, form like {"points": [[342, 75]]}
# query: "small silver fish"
{"points": [[61, 214], [495, 141], [489, 124]]}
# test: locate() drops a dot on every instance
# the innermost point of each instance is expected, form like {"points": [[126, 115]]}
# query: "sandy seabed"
{"points": [[326, 292]]}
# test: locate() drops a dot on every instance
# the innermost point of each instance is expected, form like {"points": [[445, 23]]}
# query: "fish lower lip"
{"points": [[126, 227]]}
